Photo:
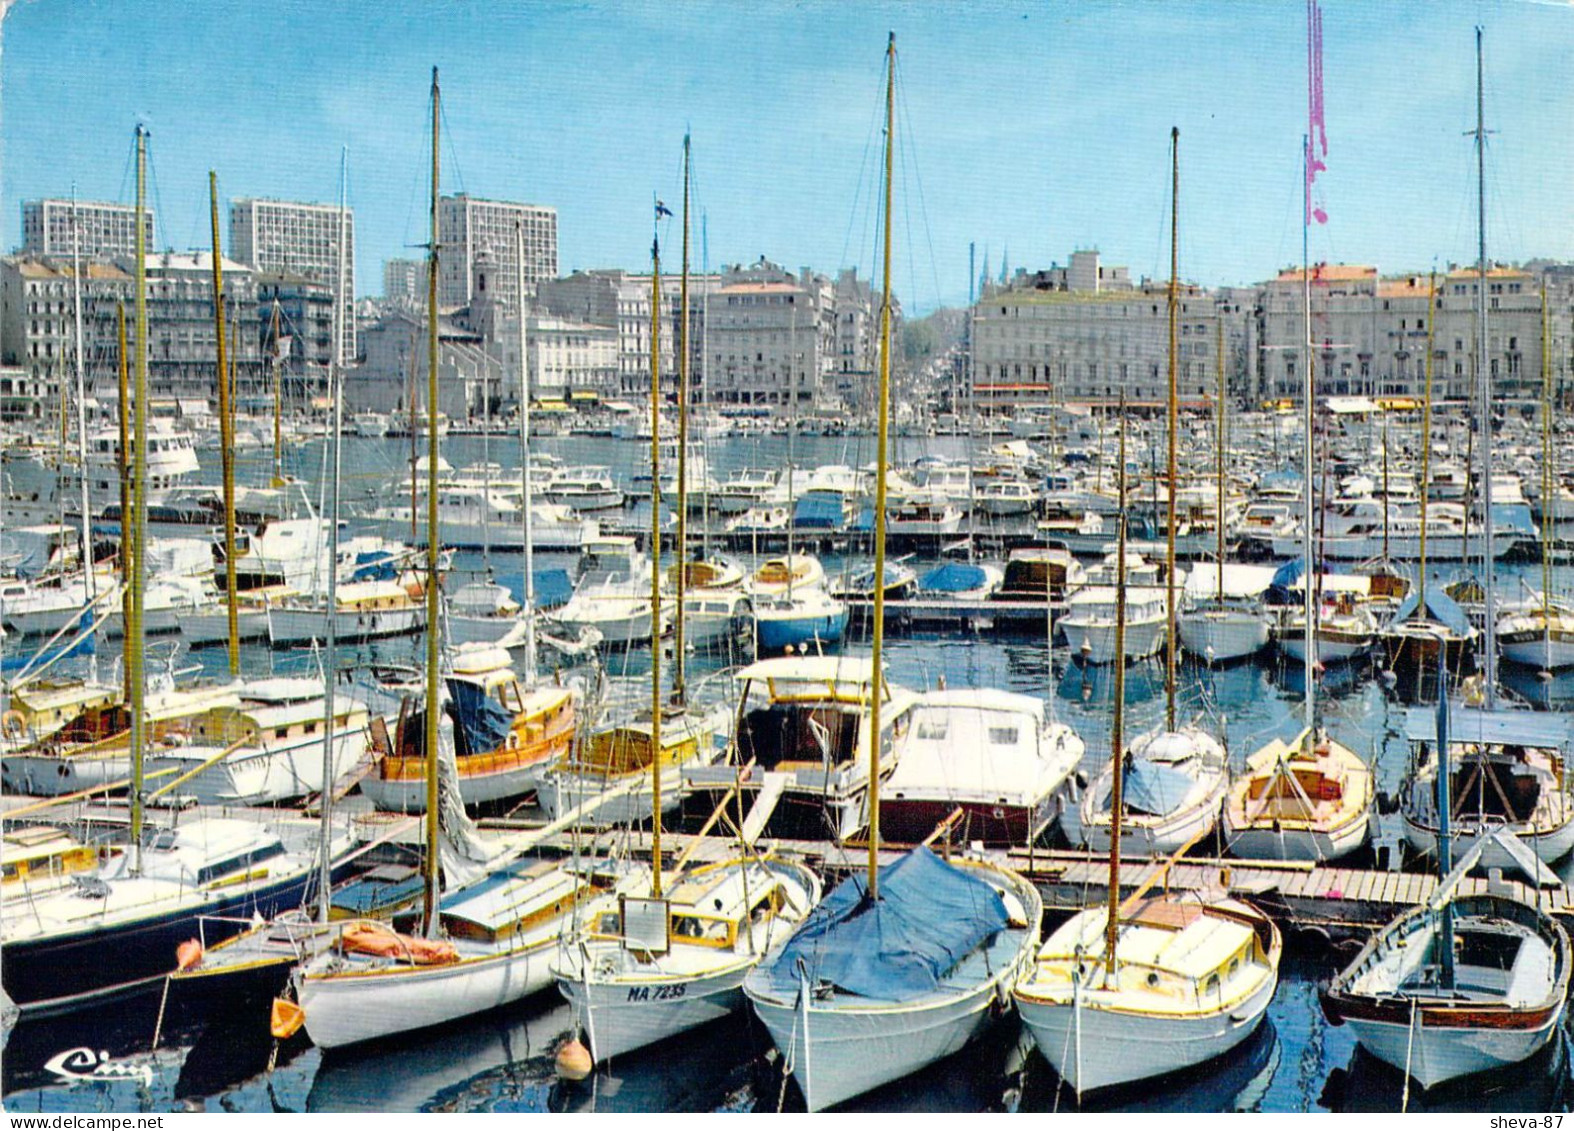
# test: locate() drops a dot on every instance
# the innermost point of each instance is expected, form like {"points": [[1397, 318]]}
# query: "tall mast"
{"points": [[128, 519], [655, 561], [972, 409], [877, 678], [704, 388], [1174, 414], [330, 685], [432, 547], [135, 666], [76, 352], [1485, 379], [1548, 503], [1118, 732], [1445, 807], [1309, 603], [278, 399], [1219, 454], [683, 441], [226, 434], [531, 660], [1426, 434]]}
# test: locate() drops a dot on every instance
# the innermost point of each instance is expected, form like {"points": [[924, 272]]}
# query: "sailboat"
{"points": [[488, 940], [1462, 984], [1142, 988], [1541, 633], [1506, 770], [1429, 622], [902, 965], [1224, 626], [1310, 798], [1176, 777], [114, 931]]}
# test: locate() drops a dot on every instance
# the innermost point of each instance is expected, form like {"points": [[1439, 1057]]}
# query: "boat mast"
{"points": [[972, 410], [128, 520], [876, 679], [1485, 379], [226, 435], [1219, 454], [432, 548], [1426, 433], [87, 520], [1309, 604], [531, 660], [655, 559], [330, 684], [1548, 508], [704, 387], [134, 659], [1174, 415], [1118, 732], [1445, 847], [683, 442], [278, 400]]}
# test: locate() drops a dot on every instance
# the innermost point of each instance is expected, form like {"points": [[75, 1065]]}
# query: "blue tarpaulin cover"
{"points": [[1440, 606], [480, 724], [954, 577], [818, 511], [928, 918], [1153, 789]]}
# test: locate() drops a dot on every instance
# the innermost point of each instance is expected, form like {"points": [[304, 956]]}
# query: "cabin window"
{"points": [[933, 731], [311, 728], [1003, 736], [281, 732], [1210, 984]]}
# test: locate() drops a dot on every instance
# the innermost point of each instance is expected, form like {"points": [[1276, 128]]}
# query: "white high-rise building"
{"points": [[467, 225], [108, 231], [284, 236]]}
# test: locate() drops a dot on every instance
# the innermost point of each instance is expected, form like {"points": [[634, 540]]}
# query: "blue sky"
{"points": [[1035, 128]]}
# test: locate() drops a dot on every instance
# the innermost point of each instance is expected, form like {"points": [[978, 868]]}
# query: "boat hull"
{"points": [[1092, 1048], [1220, 637], [258, 777], [301, 626], [776, 634], [349, 1009], [1094, 641], [623, 1016]]}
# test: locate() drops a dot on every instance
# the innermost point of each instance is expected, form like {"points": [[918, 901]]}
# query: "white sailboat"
{"points": [[901, 966], [1137, 989]]}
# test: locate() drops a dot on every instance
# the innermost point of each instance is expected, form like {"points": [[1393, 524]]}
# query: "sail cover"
{"points": [[953, 577], [928, 918], [1154, 789], [481, 724], [1440, 606]]}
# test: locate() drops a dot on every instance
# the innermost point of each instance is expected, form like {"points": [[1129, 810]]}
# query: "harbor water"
{"points": [[503, 1061]]}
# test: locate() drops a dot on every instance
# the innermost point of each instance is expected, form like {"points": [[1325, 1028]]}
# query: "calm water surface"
{"points": [[503, 1061]]}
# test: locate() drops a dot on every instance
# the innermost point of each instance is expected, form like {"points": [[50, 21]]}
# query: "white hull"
{"points": [[202, 628], [38, 775], [1550, 845], [480, 630], [300, 626], [1434, 1056], [847, 1052], [561, 793], [1099, 1048], [615, 626], [1094, 640], [1539, 652], [619, 1019], [385, 1002], [1296, 844], [1157, 836], [1222, 635], [474, 789], [258, 777], [1327, 650]]}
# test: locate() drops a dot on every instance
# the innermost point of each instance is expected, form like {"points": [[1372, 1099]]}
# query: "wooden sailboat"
{"points": [[1177, 777], [1461, 984], [901, 966], [1145, 987], [1310, 798], [489, 939]]}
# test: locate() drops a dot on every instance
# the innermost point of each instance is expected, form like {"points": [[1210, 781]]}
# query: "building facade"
{"points": [[286, 237], [106, 230], [468, 225], [404, 280]]}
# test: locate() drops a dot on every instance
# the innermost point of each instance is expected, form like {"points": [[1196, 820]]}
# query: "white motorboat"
{"points": [[1089, 623], [1175, 782]]}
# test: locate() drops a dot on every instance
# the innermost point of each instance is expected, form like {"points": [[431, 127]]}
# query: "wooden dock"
{"points": [[1317, 903]]}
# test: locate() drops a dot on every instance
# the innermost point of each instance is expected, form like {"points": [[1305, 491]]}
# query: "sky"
{"points": [[1027, 129]]}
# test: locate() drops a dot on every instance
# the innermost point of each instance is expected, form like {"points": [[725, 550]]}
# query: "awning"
{"points": [[193, 408], [584, 395], [552, 406]]}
